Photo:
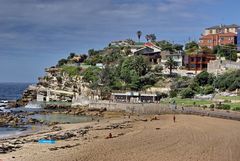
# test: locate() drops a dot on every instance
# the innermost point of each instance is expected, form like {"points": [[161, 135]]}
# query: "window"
{"points": [[198, 59], [221, 38], [209, 41]]}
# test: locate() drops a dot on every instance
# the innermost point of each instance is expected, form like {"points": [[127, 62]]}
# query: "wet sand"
{"points": [[191, 138]]}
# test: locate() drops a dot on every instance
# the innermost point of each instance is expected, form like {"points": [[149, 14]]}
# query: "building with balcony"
{"points": [[198, 61], [238, 40], [219, 35]]}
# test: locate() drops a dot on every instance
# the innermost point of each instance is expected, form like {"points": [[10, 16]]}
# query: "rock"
{"points": [[7, 147], [32, 121], [56, 128]]}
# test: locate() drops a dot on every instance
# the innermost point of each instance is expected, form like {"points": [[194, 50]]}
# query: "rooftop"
{"points": [[223, 26]]}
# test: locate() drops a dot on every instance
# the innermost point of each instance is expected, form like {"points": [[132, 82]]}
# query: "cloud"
{"points": [[49, 26]]}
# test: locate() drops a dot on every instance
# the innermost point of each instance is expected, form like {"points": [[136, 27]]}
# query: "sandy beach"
{"points": [[192, 138]]}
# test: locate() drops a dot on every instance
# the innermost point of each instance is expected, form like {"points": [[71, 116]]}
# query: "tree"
{"points": [[158, 69], [191, 47], [91, 75], [139, 34], [147, 37], [207, 50], [61, 62], [178, 47], [228, 51], [153, 37], [204, 78], [171, 64], [71, 55], [165, 45]]}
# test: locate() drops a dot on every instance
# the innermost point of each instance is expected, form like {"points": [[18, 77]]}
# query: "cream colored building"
{"points": [[221, 29]]}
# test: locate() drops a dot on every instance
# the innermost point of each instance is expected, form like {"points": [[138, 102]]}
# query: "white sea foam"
{"points": [[33, 105]]}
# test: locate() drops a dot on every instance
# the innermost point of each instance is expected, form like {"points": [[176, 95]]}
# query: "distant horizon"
{"points": [[36, 34]]}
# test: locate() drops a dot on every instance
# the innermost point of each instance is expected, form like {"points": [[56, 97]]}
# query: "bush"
{"points": [[236, 108], [228, 80], [211, 106], [223, 106], [173, 93], [71, 70], [208, 89], [162, 95], [187, 93], [204, 78]]}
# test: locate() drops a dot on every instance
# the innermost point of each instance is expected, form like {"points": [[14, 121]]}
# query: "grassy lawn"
{"points": [[228, 97], [187, 101], [190, 102]]}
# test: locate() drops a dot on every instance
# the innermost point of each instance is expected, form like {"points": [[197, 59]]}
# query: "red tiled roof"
{"points": [[149, 44]]}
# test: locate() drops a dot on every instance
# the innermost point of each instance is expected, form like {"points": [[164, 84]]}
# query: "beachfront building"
{"points": [[135, 97], [198, 61], [150, 52], [176, 56], [219, 35], [220, 66]]}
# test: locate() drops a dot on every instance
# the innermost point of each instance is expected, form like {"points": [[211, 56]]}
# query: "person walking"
{"points": [[174, 118]]}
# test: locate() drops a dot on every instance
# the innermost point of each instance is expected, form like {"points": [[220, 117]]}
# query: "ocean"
{"points": [[12, 91]]}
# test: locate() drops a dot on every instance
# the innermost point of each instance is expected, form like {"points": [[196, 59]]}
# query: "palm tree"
{"points": [[139, 34], [147, 37], [171, 64]]}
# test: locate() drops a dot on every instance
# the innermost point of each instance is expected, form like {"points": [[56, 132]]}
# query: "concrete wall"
{"points": [[165, 109], [150, 108], [220, 66]]}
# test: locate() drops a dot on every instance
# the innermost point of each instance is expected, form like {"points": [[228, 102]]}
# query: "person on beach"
{"points": [[174, 118]]}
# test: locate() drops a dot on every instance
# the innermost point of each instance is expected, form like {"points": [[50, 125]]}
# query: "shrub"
{"points": [[236, 108], [173, 93], [71, 70], [162, 95], [223, 106], [226, 101], [187, 93], [208, 89], [211, 106], [204, 78]]}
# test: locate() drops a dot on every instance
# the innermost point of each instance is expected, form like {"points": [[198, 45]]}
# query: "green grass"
{"points": [[190, 102], [71, 70], [187, 101], [228, 97]]}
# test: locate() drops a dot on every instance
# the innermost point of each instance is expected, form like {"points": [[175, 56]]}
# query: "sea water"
{"points": [[13, 91]]}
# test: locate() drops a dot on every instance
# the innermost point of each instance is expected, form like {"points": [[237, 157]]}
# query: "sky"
{"points": [[35, 34]]}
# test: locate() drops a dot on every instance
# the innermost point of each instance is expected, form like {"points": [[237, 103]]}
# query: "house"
{"points": [[135, 97], [177, 57], [219, 35], [198, 61], [238, 40], [220, 66], [149, 51], [120, 43]]}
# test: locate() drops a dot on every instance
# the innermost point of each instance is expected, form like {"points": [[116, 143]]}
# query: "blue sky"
{"points": [[35, 34]]}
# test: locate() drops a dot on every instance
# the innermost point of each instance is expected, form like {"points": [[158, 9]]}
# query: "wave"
{"points": [[33, 105]]}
